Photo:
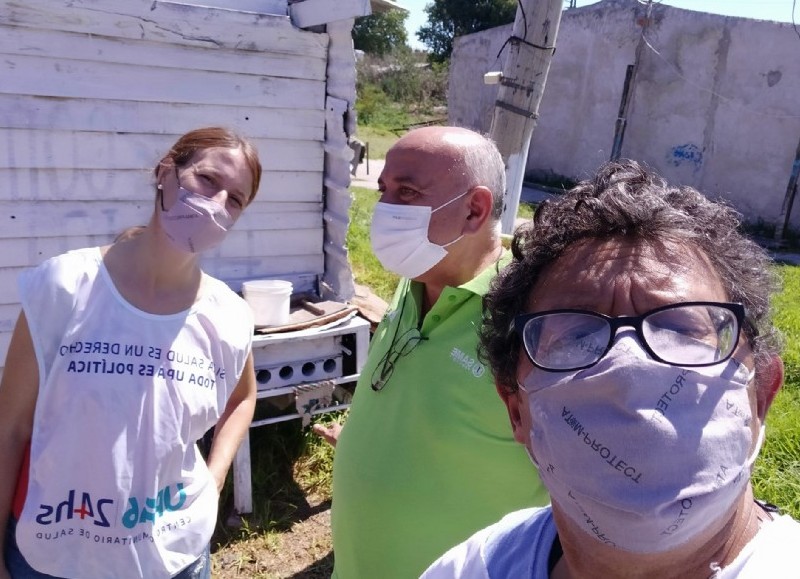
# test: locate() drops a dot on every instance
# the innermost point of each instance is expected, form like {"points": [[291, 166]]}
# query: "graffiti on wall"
{"points": [[687, 154]]}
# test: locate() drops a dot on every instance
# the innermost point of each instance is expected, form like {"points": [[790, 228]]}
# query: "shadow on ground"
{"points": [[320, 569], [279, 502], [288, 533]]}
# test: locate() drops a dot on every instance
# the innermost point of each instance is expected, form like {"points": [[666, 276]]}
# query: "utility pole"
{"points": [[530, 50]]}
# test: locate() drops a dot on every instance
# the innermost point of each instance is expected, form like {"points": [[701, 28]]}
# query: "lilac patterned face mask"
{"points": [[642, 455], [195, 223]]}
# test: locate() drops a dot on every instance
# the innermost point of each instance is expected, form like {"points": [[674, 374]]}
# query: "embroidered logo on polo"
{"points": [[469, 363]]}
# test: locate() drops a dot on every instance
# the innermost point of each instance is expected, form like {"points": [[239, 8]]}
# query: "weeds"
{"points": [[787, 317], [406, 79], [398, 91], [776, 477]]}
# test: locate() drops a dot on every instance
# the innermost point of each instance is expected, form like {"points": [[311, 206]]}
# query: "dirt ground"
{"points": [[304, 551]]}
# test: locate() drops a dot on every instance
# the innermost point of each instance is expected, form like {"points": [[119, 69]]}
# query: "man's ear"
{"points": [[480, 208], [512, 398], [768, 382]]}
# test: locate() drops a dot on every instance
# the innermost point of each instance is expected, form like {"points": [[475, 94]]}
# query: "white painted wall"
{"points": [[93, 92], [716, 106]]}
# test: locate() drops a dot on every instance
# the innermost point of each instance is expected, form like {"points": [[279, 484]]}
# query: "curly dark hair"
{"points": [[625, 199]]}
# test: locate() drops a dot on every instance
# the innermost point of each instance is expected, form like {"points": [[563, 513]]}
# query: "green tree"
{"points": [[450, 18], [380, 33]]}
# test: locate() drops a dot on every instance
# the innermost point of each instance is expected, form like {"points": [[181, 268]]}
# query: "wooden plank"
{"points": [[222, 268], [8, 286], [135, 186], [274, 243], [154, 20], [8, 316], [261, 6], [315, 12], [242, 479], [76, 218], [51, 149], [255, 73], [84, 47], [240, 242], [32, 112], [224, 263], [31, 251], [254, 268], [5, 339], [65, 78]]}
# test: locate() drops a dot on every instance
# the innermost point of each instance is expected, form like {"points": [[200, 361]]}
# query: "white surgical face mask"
{"points": [[399, 236], [639, 454], [195, 223]]}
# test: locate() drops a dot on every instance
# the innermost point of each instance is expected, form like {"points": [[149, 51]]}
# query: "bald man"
{"points": [[426, 456]]}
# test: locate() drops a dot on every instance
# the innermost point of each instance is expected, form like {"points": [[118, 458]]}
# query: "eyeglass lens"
{"points": [[402, 347], [691, 335]]}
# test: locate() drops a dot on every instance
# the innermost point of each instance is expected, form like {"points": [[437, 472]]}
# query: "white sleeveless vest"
{"points": [[117, 487]]}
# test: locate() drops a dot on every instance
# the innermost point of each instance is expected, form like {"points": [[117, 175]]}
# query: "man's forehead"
{"points": [[442, 155], [418, 166]]}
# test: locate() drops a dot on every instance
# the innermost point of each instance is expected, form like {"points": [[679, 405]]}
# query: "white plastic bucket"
{"points": [[269, 300]]}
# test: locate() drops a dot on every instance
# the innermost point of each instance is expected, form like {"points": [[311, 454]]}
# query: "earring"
{"points": [[160, 187]]}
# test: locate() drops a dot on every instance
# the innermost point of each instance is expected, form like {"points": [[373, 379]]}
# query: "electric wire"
{"points": [[676, 70], [794, 24]]}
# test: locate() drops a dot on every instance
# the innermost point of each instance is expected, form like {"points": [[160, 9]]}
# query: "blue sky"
{"points": [[780, 10]]}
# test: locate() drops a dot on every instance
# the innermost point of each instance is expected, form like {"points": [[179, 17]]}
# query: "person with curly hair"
{"points": [[631, 340]]}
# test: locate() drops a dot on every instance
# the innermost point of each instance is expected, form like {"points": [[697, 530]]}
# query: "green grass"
{"points": [[787, 318], [776, 477], [526, 210], [288, 464], [380, 139], [384, 133], [777, 474]]}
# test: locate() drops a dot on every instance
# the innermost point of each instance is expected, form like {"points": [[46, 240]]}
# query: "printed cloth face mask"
{"points": [[399, 236], [195, 223], [639, 454]]}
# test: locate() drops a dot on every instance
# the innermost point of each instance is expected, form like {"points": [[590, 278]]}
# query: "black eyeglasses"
{"points": [[687, 334], [400, 347]]}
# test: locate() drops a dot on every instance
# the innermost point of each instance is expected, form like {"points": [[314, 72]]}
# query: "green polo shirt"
{"points": [[430, 459]]}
